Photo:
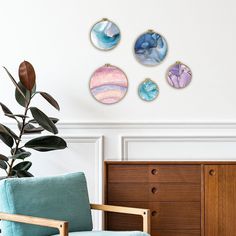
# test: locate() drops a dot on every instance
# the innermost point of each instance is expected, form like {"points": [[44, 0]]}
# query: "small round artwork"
{"points": [[179, 75], [148, 90], [108, 84], [105, 35], [150, 48]]}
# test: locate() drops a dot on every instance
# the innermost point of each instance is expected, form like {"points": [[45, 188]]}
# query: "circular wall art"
{"points": [[179, 75], [148, 90], [108, 84], [105, 34], [150, 48]]}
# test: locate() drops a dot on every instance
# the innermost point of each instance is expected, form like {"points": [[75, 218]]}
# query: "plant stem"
{"points": [[20, 136]]}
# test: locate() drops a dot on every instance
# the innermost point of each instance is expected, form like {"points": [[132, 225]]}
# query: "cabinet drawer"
{"points": [[175, 233], [118, 222], [123, 222], [175, 215], [164, 216], [154, 173], [154, 192], [175, 173], [128, 173]]}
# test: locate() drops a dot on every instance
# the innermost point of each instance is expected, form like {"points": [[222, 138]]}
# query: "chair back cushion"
{"points": [[60, 198]]}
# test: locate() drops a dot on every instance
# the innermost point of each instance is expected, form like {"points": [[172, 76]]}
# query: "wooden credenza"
{"points": [[185, 198]]}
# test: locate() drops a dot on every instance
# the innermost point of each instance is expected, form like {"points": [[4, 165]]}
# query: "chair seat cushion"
{"points": [[107, 233], [60, 197]]}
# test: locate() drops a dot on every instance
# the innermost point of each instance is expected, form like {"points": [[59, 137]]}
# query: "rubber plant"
{"points": [[32, 121]]}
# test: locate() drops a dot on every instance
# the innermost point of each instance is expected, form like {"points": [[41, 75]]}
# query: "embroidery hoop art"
{"points": [[146, 32], [167, 74], [90, 35], [109, 65], [145, 80]]}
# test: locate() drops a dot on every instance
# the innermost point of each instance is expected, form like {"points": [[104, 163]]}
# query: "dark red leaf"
{"points": [[4, 158], [50, 99], [27, 75]]}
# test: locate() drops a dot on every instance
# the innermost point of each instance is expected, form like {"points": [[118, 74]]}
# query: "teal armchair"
{"points": [[46, 206]]}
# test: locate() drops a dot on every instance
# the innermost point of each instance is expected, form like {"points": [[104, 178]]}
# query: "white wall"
{"points": [[54, 36], [196, 123]]}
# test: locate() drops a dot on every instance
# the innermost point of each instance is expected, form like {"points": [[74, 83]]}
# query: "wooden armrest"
{"points": [[145, 213], [62, 226]]}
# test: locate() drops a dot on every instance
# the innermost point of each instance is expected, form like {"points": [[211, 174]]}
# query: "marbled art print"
{"points": [[179, 75], [108, 84], [150, 48], [148, 90], [105, 35]]}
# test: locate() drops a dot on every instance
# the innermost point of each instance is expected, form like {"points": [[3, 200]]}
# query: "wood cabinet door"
{"points": [[220, 200]]}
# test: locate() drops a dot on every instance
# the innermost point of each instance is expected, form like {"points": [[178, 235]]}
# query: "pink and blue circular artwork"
{"points": [[179, 75], [108, 84]]}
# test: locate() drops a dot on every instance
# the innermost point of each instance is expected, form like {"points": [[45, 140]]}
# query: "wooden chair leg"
{"points": [[64, 229], [146, 221]]}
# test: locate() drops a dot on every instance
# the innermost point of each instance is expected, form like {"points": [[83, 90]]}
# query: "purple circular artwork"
{"points": [[179, 75]]}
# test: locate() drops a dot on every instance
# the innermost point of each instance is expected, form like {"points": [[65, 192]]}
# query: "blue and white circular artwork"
{"points": [[105, 35], [148, 90], [150, 48]]}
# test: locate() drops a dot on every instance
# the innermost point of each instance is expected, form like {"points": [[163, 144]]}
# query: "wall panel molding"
{"points": [[147, 125], [142, 125], [125, 141]]}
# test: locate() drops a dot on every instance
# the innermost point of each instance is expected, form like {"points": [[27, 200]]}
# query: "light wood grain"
{"points": [[171, 190], [162, 192], [62, 226], [220, 200], [145, 213], [154, 173], [107, 162], [211, 200], [176, 233], [212, 213], [164, 216]]}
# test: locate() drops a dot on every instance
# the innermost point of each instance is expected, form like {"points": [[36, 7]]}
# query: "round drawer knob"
{"points": [[212, 172], [154, 213], [154, 190], [154, 171]]}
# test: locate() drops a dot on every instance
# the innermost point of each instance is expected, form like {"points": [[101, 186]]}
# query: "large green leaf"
{"points": [[10, 132], [3, 165], [46, 143], [23, 173], [43, 120], [19, 150], [5, 109], [50, 99], [21, 155], [30, 129], [53, 119], [17, 115], [14, 82], [5, 136], [19, 98], [24, 165], [27, 75]]}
